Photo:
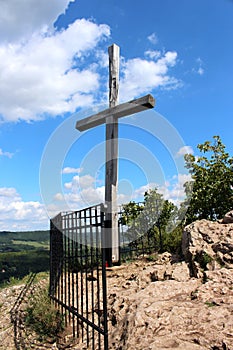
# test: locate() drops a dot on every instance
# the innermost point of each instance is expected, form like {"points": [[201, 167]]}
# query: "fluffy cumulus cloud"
{"points": [[173, 190], [48, 72], [184, 150], [84, 190], [18, 215], [20, 19], [153, 54], [41, 69], [144, 75]]}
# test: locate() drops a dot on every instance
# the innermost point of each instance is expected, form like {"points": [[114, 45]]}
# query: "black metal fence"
{"points": [[78, 283], [78, 274]]}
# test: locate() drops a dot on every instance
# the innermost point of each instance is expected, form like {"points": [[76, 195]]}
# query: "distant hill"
{"points": [[25, 240], [23, 252], [38, 236]]}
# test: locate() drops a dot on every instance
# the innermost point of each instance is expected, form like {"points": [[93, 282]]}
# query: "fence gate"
{"points": [[78, 274]]}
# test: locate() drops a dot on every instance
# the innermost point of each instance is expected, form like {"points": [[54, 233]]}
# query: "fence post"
{"points": [[104, 277]]}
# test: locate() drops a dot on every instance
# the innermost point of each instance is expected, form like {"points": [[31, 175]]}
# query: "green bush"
{"points": [[42, 316], [172, 241], [203, 259]]}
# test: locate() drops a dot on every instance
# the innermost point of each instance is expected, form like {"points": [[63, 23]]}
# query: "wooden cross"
{"points": [[110, 117]]}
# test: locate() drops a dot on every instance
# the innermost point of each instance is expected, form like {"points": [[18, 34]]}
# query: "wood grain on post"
{"points": [[111, 165], [119, 111]]}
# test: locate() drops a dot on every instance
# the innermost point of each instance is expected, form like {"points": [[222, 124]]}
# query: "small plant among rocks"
{"points": [[42, 316], [210, 303], [152, 257]]}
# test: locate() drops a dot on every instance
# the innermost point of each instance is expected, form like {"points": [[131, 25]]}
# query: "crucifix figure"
{"points": [[110, 117]]}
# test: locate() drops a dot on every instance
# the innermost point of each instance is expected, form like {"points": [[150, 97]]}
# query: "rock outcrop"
{"points": [[208, 245], [228, 218], [170, 313]]}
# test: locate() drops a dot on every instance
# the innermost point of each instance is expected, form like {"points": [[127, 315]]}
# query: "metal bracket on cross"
{"points": [[110, 117]]}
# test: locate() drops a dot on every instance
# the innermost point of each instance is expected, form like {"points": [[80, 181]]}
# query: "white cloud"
{"points": [[138, 193], [6, 154], [140, 75], [102, 57], [40, 76], [200, 71], [18, 215], [199, 67], [9, 192], [42, 69], [79, 183], [153, 38], [185, 150], [83, 191], [174, 190], [74, 200], [69, 170], [20, 19], [153, 54]]}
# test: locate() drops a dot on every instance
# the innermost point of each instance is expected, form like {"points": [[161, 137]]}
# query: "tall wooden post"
{"points": [[111, 165]]}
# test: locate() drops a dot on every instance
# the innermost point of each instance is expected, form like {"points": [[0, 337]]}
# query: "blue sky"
{"points": [[54, 71]]}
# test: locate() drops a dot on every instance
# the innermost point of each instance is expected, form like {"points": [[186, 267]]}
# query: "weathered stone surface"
{"points": [[172, 314], [228, 218], [205, 241]]}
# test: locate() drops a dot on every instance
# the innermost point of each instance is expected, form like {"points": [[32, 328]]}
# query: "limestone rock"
{"points": [[172, 314], [204, 242], [228, 218]]}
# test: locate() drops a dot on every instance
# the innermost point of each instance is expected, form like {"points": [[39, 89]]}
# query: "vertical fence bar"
{"points": [[86, 270], [98, 247], [64, 292], [92, 276], [104, 279], [81, 269], [77, 266], [68, 264], [72, 270]]}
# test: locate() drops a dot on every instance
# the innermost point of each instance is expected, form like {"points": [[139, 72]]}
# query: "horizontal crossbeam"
{"points": [[122, 110]]}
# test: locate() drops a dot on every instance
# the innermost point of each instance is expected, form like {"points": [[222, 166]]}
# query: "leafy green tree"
{"points": [[159, 213], [210, 194], [151, 220], [130, 217]]}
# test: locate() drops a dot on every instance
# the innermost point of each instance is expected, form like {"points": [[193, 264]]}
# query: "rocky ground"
{"points": [[160, 304], [175, 313]]}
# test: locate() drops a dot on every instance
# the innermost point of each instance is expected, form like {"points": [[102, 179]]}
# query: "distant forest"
{"points": [[22, 253], [34, 236]]}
